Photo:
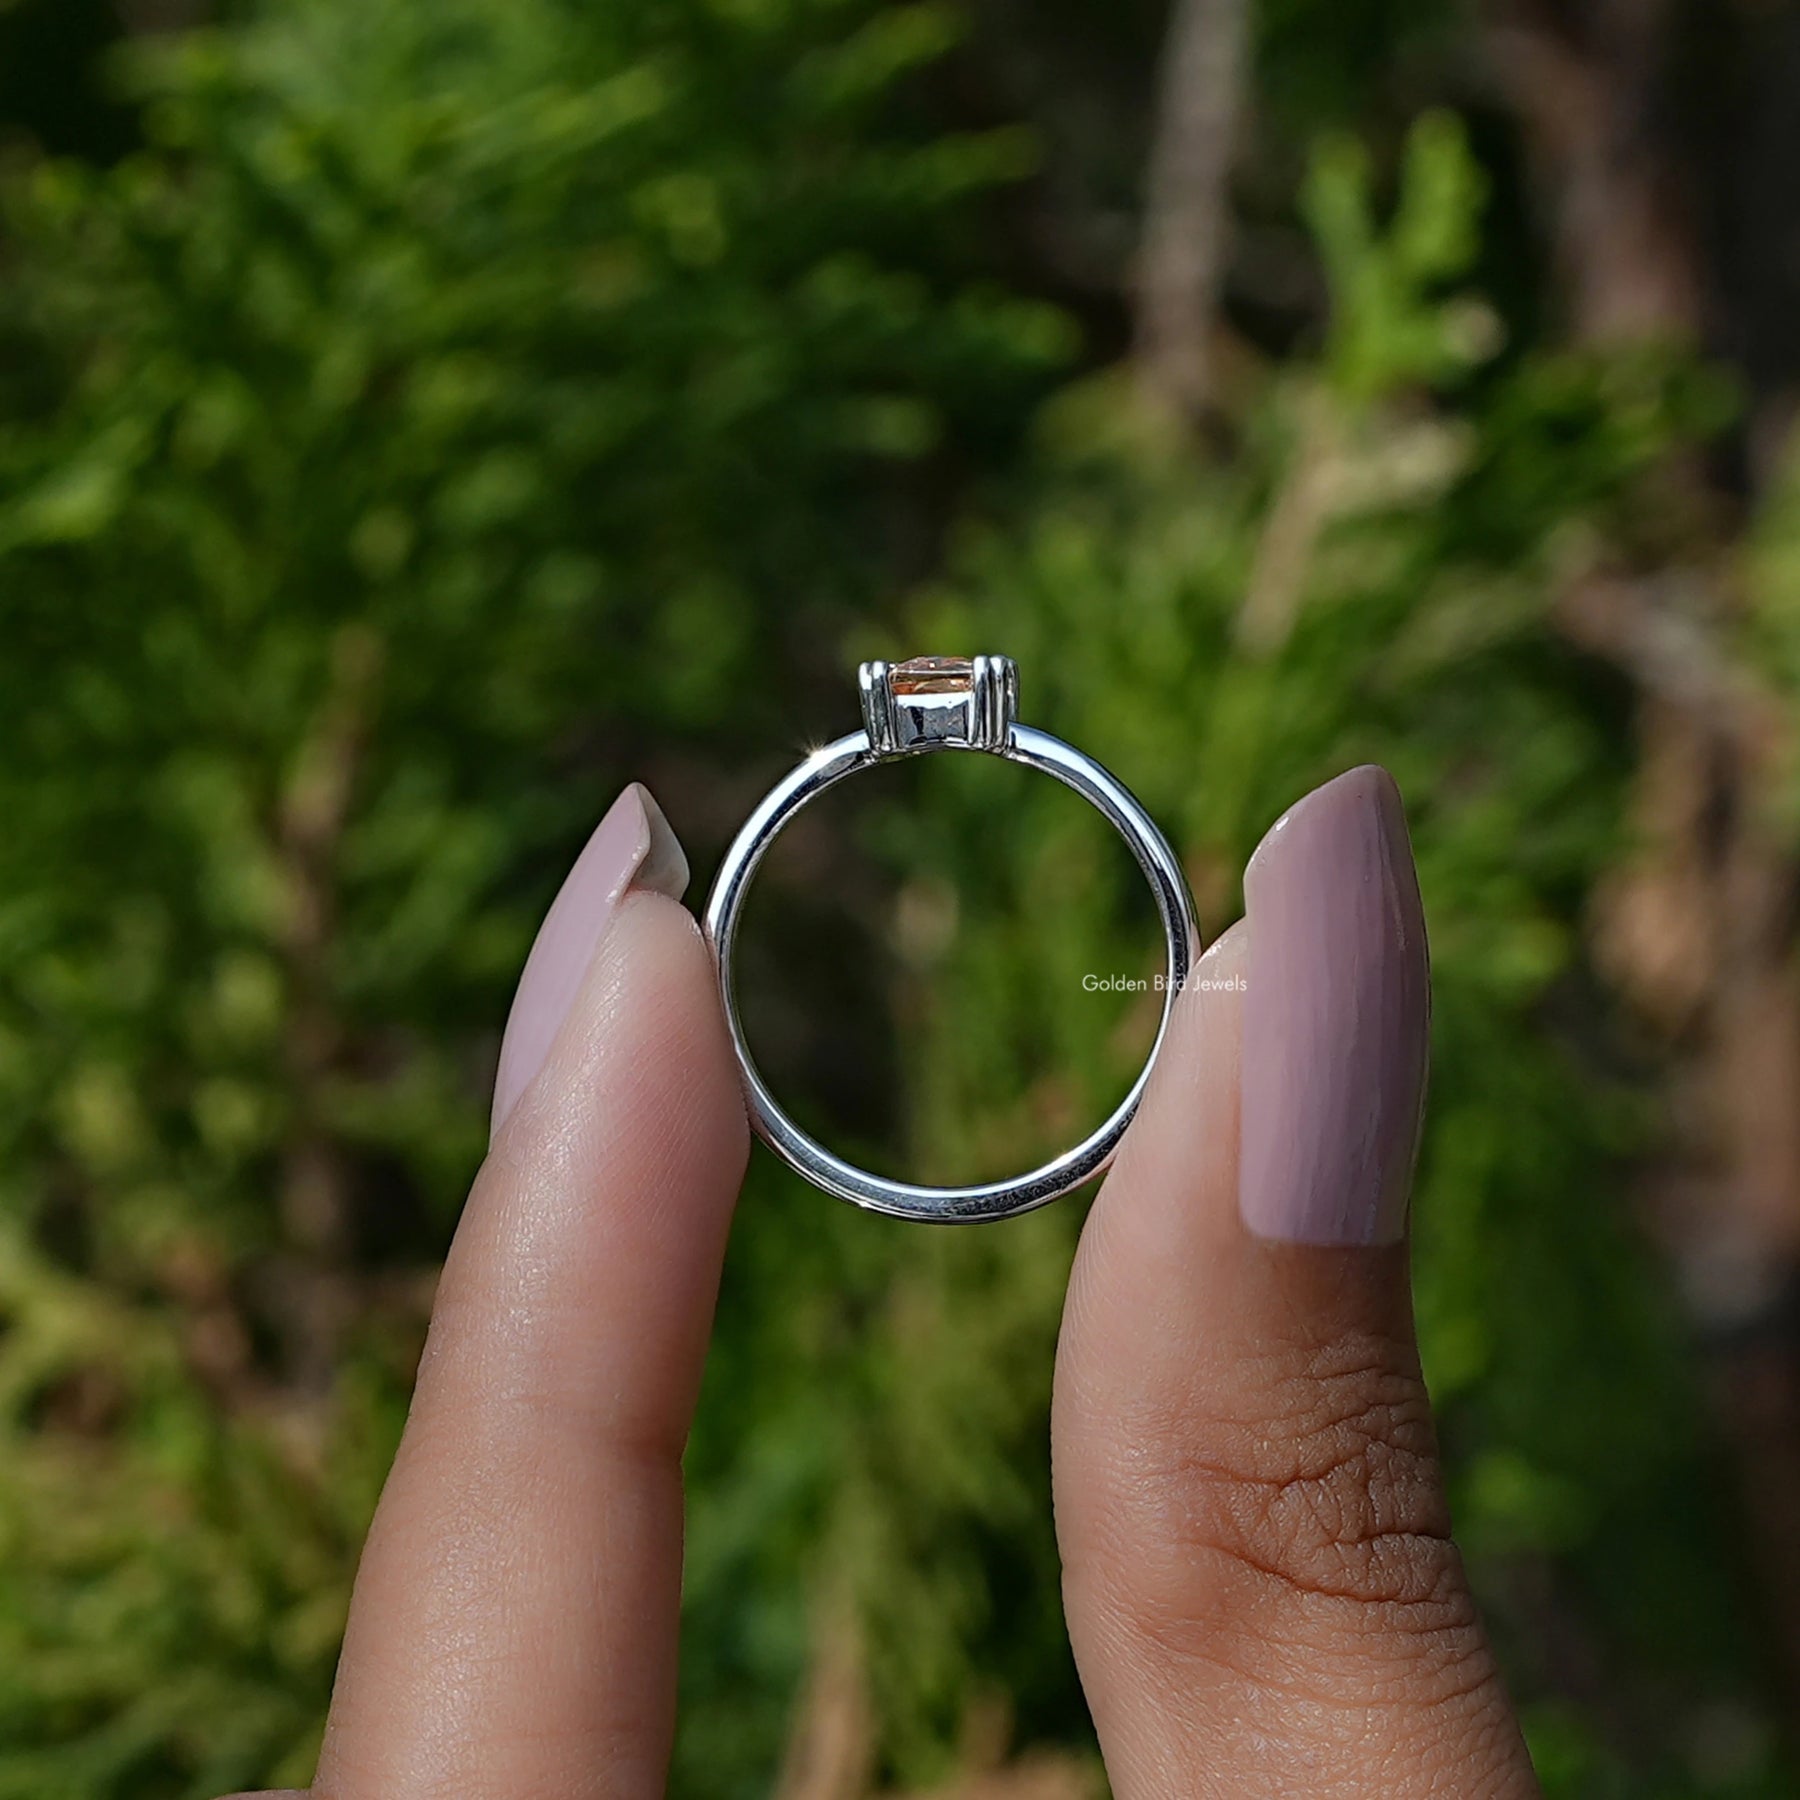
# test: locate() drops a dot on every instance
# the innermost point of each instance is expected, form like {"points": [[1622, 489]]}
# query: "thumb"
{"points": [[1261, 1587]]}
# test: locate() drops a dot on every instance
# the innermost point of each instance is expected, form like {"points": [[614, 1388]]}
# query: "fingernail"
{"points": [[1336, 1019], [633, 847]]}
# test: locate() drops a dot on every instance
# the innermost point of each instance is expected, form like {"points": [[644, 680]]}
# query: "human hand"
{"points": [[1260, 1584]]}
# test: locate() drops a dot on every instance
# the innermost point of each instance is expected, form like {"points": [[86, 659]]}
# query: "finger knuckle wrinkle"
{"points": [[1331, 1501]]}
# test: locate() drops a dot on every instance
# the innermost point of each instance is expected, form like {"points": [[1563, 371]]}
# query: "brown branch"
{"points": [[1181, 257], [1698, 928], [1584, 81], [1653, 629], [1296, 520], [309, 826], [831, 1751]]}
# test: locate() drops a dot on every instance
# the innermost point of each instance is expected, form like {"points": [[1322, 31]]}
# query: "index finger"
{"points": [[513, 1628]]}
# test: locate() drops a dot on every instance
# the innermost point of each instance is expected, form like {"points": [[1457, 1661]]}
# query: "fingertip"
{"points": [[1368, 789], [1167, 1207], [645, 1029], [633, 849], [1180, 1155], [1223, 959]]}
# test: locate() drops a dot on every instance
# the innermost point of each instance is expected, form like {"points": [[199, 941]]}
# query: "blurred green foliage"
{"points": [[449, 410], [444, 402], [1374, 587]]}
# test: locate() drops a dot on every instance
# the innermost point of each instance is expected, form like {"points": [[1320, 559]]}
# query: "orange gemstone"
{"points": [[932, 675]]}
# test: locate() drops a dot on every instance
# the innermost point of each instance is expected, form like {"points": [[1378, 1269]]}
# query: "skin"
{"points": [[1261, 1588]]}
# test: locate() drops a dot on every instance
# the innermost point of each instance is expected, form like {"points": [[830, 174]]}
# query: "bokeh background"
{"points": [[418, 417]]}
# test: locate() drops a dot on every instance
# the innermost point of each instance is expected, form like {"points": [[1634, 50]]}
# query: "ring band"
{"points": [[932, 703]]}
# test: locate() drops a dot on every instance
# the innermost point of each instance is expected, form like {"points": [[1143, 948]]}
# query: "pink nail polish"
{"points": [[632, 847], [1336, 1019]]}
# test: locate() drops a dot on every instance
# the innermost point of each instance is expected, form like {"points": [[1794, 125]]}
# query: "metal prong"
{"points": [[996, 702], [877, 707]]}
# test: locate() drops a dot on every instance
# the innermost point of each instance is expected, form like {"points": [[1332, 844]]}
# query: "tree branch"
{"points": [[1181, 257]]}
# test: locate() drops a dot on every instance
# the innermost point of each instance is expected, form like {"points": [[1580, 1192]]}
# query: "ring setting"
{"points": [[937, 702], [924, 705]]}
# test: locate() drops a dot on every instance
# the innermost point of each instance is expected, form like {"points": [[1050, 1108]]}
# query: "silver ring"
{"points": [[932, 703]]}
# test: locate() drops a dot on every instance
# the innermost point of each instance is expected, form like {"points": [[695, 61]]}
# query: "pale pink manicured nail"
{"points": [[632, 847], [1336, 1019]]}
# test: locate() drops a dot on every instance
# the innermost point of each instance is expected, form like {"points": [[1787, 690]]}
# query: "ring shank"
{"points": [[986, 1200]]}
